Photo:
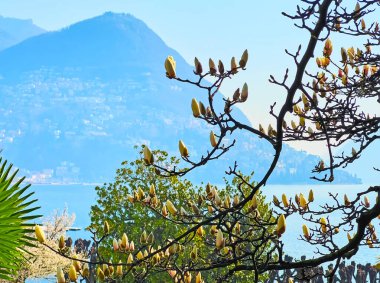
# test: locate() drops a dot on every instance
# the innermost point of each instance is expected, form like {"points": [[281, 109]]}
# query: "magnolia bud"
{"points": [[119, 269], [170, 66], [303, 202], [73, 276], [346, 200], [60, 275], [343, 53], [213, 139], [115, 244], [183, 149], [150, 238], [244, 93], [219, 240], [220, 67], [164, 211], [40, 235], [195, 108], [236, 95], [276, 201], [148, 156], [61, 242], [76, 264], [212, 66], [200, 231], [285, 200], [323, 222], [143, 237], [202, 108], [171, 208], [311, 196], [244, 59], [281, 225], [305, 231], [198, 66], [233, 66]]}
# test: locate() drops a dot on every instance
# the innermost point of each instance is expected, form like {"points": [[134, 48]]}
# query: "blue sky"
{"points": [[220, 29]]}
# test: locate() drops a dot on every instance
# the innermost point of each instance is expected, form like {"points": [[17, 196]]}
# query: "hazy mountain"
{"points": [[13, 31], [76, 101]]}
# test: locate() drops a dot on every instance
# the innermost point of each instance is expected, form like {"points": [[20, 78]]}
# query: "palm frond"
{"points": [[16, 211]]}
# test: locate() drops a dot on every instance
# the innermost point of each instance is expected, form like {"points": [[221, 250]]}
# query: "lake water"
{"points": [[79, 198]]}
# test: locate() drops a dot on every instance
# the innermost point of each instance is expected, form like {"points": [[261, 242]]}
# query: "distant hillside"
{"points": [[76, 101], [13, 31]]}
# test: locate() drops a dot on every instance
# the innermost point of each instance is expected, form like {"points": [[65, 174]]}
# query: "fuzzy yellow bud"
{"points": [[148, 156], [171, 208], [244, 59], [170, 66], [124, 241], [281, 225], [119, 269], [244, 93], [86, 271], [311, 196], [357, 11], [323, 222], [183, 149], [261, 129], [202, 108], [285, 200], [346, 200], [306, 232], [40, 235], [233, 65], [303, 202], [61, 242], [106, 227], [363, 24], [198, 278], [198, 66], [343, 53], [219, 240], [130, 259], [77, 264], [212, 67], [73, 276], [164, 211], [195, 108], [220, 67], [213, 139], [60, 275], [200, 231], [275, 200], [328, 48]]}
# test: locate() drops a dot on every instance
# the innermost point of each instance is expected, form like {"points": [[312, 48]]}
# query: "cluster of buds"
{"points": [[241, 96], [149, 199], [123, 244], [300, 200], [213, 69]]}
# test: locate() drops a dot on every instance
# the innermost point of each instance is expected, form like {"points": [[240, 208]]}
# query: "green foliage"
{"points": [[15, 215], [114, 205], [133, 218]]}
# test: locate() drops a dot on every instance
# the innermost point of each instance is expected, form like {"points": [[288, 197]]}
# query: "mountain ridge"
{"points": [[14, 31], [76, 102]]}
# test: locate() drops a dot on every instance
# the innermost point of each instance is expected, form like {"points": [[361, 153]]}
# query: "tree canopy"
{"points": [[227, 231]]}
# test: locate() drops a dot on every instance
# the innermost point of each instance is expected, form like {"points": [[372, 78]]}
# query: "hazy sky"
{"points": [[213, 28]]}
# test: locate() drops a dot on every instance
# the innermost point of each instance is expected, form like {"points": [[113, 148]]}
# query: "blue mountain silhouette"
{"points": [[76, 101]]}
